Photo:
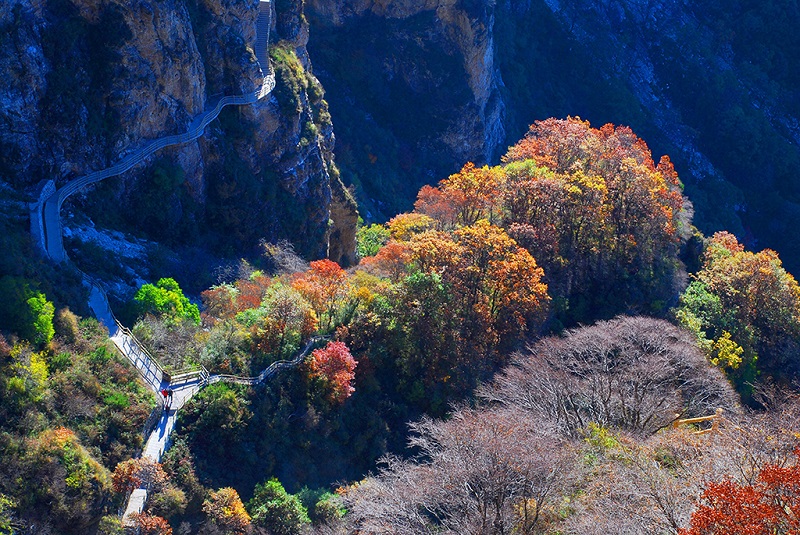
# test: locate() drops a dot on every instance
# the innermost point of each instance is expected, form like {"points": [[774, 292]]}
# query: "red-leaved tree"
{"points": [[335, 367], [133, 473], [151, 525], [771, 506]]}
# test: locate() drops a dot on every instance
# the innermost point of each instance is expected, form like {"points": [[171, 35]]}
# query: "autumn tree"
{"points": [[464, 197], [497, 279], [140, 472], [602, 217], [391, 261], [250, 291], [770, 506], [495, 284], [561, 218], [403, 227], [334, 367], [323, 285], [219, 303], [462, 300], [69, 480], [744, 309], [435, 203], [285, 319], [150, 525], [226, 510]]}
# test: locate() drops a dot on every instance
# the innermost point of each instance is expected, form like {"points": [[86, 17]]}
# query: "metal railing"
{"points": [[52, 233], [141, 358], [714, 419], [270, 370]]}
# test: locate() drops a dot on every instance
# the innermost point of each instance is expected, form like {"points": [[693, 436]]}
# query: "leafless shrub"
{"points": [[651, 485], [174, 344], [630, 373], [281, 258], [479, 472]]}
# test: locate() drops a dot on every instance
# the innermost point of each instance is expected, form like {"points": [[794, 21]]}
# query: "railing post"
{"points": [[715, 422]]}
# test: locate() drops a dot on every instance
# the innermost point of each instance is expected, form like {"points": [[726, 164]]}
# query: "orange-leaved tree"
{"points": [[466, 292], [497, 279], [324, 285], [599, 213], [251, 291], [288, 320], [134, 473], [464, 197], [226, 510], [770, 506], [335, 367], [391, 261], [220, 303]]}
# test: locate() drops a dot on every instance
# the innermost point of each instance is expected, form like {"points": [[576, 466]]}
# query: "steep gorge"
{"points": [[91, 82], [414, 91]]}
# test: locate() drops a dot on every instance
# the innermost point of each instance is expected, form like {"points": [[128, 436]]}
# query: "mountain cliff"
{"points": [[88, 82], [415, 87], [418, 88]]}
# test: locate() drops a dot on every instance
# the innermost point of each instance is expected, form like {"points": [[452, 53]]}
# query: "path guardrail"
{"points": [[270, 370], [714, 419]]}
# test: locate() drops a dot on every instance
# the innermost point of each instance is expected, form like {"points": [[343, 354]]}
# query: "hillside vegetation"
{"points": [[490, 367]]}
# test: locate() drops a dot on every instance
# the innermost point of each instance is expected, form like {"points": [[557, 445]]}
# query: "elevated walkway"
{"points": [[46, 229], [50, 228]]}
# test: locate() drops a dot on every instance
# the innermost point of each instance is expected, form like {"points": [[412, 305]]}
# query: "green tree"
{"points": [[25, 311], [41, 312], [166, 298], [216, 418], [370, 239], [7, 523], [744, 309], [274, 508]]}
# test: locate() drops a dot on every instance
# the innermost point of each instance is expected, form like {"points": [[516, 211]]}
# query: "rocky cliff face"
{"points": [[416, 89], [88, 81], [714, 85], [416, 85], [420, 87]]}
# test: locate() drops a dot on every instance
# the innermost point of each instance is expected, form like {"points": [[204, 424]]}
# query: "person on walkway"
{"points": [[169, 394]]}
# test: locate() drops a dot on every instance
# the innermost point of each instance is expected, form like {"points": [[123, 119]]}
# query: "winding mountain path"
{"points": [[183, 388], [49, 214], [47, 228]]}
